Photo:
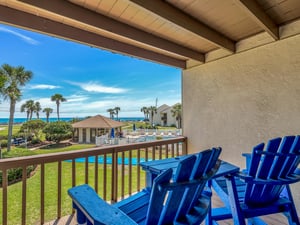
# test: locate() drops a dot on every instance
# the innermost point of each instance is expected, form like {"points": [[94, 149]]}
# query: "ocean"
{"points": [[22, 120]]}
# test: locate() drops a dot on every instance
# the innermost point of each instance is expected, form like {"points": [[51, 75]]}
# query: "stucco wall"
{"points": [[242, 100]]}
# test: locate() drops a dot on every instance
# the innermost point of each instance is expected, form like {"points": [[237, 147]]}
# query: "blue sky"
{"points": [[92, 80]]}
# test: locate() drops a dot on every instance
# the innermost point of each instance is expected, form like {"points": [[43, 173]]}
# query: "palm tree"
{"points": [[58, 98], [47, 111], [145, 110], [152, 110], [16, 77], [37, 109], [2, 82], [177, 113], [28, 107], [111, 113], [117, 109]]}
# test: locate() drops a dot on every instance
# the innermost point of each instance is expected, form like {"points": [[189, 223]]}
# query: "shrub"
{"points": [[32, 127], [35, 141], [14, 175], [3, 143], [58, 131]]}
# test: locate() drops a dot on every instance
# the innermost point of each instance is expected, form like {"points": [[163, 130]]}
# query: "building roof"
{"points": [[98, 121], [180, 33]]}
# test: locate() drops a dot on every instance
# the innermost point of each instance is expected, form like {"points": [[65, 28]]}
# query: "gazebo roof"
{"points": [[98, 121]]}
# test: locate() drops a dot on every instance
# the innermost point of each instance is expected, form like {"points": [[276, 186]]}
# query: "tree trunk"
{"points": [[57, 111], [10, 123]]}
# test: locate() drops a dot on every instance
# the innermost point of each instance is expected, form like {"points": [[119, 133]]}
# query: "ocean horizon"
{"points": [[22, 120]]}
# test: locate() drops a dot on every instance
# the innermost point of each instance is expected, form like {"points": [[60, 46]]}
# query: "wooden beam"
{"points": [[254, 10], [170, 13], [52, 28], [91, 18]]}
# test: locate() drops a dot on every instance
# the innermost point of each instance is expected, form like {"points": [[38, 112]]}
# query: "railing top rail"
{"points": [[60, 156]]}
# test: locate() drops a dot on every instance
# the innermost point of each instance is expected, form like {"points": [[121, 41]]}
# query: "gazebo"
{"points": [[87, 130]]}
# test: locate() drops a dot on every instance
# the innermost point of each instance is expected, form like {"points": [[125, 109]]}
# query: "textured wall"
{"points": [[242, 100]]}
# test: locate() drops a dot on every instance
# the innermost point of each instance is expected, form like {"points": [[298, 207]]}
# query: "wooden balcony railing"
{"points": [[113, 171]]}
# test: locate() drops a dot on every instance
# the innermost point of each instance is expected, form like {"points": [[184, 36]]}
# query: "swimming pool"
{"points": [[92, 159], [153, 138]]}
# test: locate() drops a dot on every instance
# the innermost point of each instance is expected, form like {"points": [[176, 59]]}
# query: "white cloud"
{"points": [[23, 37], [77, 98], [99, 88], [43, 86]]}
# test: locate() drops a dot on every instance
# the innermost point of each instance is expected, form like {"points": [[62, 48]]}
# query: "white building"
{"points": [[163, 116]]}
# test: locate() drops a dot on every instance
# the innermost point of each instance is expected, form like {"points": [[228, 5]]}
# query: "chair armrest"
{"points": [[91, 207], [293, 178], [248, 160]]}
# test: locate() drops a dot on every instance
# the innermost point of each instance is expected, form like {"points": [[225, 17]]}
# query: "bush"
{"points": [[58, 131], [32, 128], [3, 143], [35, 141], [15, 175]]}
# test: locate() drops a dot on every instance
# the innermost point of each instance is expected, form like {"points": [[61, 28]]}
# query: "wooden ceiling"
{"points": [[171, 32]]}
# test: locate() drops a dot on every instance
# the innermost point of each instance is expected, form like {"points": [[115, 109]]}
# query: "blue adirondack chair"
{"points": [[176, 197], [264, 189]]}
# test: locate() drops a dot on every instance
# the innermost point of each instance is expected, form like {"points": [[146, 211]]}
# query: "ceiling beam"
{"points": [[91, 18], [170, 13], [254, 10], [52, 28]]}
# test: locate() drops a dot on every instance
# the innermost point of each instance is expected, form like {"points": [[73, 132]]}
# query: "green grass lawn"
{"points": [[4, 129]]}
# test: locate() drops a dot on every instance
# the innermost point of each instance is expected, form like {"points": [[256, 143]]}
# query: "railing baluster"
{"points": [[4, 196], [160, 152], [153, 153], [123, 176], [86, 169], [73, 173], [59, 190], [104, 176], [24, 192], [167, 151], [146, 154], [96, 173], [130, 173], [114, 185], [138, 170], [42, 193]]}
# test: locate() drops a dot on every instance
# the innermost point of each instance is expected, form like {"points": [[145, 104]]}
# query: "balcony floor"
{"points": [[270, 220]]}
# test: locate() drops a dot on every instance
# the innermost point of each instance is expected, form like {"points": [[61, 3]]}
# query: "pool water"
{"points": [[92, 159], [152, 138]]}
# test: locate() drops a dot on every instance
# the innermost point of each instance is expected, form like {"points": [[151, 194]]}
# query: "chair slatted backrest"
{"points": [[185, 190], [274, 162], [209, 159]]}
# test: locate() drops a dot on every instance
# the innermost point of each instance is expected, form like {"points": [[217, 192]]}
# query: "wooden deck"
{"points": [[270, 220]]}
